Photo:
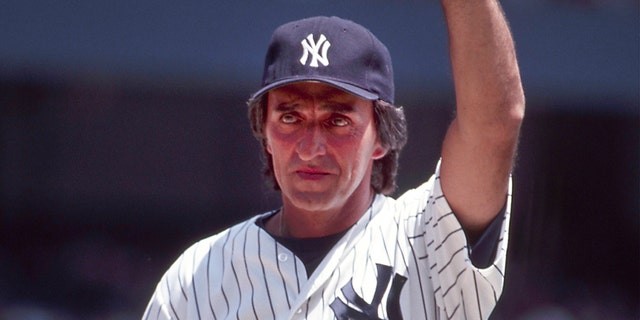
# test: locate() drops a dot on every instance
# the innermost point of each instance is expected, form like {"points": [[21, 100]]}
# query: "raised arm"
{"points": [[480, 144]]}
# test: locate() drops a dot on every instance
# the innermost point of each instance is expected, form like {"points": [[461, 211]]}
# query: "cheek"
{"points": [[277, 140], [277, 145], [269, 139], [371, 145]]}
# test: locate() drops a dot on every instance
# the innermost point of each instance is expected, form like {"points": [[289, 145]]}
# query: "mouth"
{"points": [[311, 174]]}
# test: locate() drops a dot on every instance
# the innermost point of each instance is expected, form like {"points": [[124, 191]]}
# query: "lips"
{"points": [[311, 174]]}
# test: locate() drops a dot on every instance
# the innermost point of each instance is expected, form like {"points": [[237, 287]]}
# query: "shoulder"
{"points": [[422, 196], [232, 233], [219, 243]]}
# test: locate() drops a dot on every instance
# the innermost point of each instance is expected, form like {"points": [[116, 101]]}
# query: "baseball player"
{"points": [[340, 247]]}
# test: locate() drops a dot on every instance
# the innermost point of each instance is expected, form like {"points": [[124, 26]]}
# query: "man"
{"points": [[339, 248]]}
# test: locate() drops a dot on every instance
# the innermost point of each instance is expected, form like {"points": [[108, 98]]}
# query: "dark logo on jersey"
{"points": [[357, 308]]}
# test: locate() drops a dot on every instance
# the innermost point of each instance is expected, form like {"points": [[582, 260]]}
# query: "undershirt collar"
{"points": [[310, 251]]}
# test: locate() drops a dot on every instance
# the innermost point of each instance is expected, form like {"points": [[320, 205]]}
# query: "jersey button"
{"points": [[283, 257], [299, 311]]}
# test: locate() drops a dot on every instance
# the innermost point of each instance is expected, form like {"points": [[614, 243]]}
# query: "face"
{"points": [[323, 143]]}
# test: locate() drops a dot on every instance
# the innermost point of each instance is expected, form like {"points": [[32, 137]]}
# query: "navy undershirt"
{"points": [[483, 251], [311, 251]]}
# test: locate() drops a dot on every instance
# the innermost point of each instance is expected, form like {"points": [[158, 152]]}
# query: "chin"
{"points": [[313, 201]]}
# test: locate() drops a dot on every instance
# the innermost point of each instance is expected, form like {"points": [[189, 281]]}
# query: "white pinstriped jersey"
{"points": [[404, 259]]}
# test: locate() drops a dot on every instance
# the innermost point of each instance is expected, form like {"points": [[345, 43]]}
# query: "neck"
{"points": [[295, 222]]}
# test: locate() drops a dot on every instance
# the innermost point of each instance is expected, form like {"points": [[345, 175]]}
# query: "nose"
{"points": [[312, 143]]}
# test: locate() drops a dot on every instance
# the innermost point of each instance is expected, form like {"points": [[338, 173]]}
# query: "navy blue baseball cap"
{"points": [[330, 50]]}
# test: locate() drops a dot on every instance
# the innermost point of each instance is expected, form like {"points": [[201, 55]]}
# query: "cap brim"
{"points": [[340, 85]]}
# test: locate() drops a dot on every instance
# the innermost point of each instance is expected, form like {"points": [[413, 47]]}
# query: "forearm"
{"points": [[485, 71], [480, 144]]}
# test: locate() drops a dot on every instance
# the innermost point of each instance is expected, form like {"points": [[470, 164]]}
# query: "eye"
{"points": [[339, 121], [288, 118]]}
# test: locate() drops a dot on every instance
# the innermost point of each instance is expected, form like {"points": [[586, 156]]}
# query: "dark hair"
{"points": [[391, 127]]}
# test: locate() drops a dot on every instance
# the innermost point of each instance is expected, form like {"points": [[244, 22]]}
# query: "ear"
{"points": [[267, 146], [379, 151]]}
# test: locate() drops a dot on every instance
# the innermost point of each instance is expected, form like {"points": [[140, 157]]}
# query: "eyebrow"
{"points": [[327, 95], [332, 106], [339, 107]]}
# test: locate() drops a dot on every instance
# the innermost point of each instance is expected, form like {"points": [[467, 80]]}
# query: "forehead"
{"points": [[312, 90]]}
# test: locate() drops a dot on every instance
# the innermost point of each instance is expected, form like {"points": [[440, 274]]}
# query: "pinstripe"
{"points": [[498, 269], [323, 304], [422, 291], [418, 273], [353, 266], [184, 294], [455, 253], [450, 316], [398, 247], [442, 217], [284, 283], [209, 282], [193, 286], [475, 285], [339, 276], [248, 271], [306, 312], [366, 249], [417, 236], [235, 275], [447, 237], [264, 276], [495, 295], [384, 245], [493, 289], [173, 309], [222, 258], [367, 262], [295, 268], [464, 305], [454, 282]]}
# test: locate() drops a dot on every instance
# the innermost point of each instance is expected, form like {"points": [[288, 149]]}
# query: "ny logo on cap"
{"points": [[311, 47]]}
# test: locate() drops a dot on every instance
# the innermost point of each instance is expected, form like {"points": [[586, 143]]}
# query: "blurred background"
{"points": [[124, 139]]}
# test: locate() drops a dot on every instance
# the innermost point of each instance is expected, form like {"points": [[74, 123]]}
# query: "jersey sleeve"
{"points": [[461, 289]]}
